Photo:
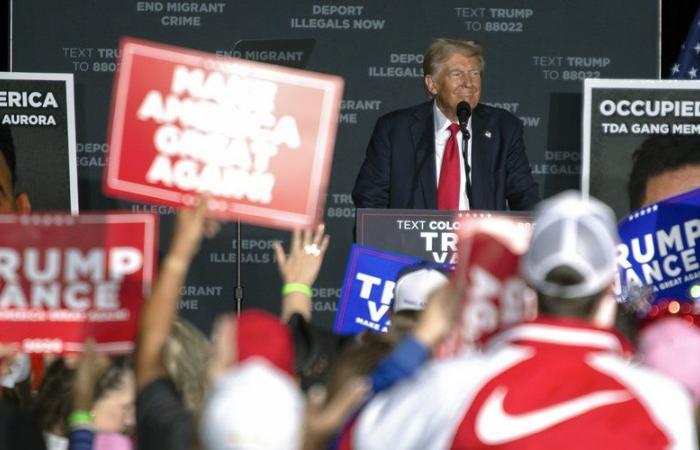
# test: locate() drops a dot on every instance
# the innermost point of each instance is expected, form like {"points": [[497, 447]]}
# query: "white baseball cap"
{"points": [[415, 283], [253, 406], [573, 232]]}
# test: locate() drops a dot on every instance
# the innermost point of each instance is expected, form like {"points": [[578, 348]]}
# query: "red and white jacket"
{"points": [[547, 384]]}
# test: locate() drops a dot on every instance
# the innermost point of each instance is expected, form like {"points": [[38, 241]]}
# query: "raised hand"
{"points": [[306, 253]]}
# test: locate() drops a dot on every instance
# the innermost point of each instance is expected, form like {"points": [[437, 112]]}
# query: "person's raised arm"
{"points": [[160, 310], [91, 367], [436, 321], [299, 270]]}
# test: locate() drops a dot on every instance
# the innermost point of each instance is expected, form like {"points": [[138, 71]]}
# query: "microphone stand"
{"points": [[465, 154], [464, 111], [238, 291]]}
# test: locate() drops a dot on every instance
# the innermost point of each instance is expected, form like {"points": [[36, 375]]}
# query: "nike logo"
{"points": [[495, 426]]}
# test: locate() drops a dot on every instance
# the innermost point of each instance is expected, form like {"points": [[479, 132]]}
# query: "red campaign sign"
{"points": [[66, 278], [496, 296], [257, 138]]}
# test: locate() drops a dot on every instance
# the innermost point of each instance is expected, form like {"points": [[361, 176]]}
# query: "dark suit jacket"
{"points": [[399, 168]]}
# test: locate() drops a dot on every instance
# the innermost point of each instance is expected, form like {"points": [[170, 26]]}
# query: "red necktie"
{"points": [[448, 186]]}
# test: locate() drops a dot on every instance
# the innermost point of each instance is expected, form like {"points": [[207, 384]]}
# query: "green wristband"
{"points": [[77, 418], [296, 287]]}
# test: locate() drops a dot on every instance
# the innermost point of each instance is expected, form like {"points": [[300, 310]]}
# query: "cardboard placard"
{"points": [[37, 114], [619, 115], [368, 290], [489, 265], [64, 279], [658, 259], [257, 138]]}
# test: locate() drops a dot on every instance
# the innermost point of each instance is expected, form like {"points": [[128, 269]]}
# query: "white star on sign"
{"points": [[697, 48], [693, 72], [676, 68]]}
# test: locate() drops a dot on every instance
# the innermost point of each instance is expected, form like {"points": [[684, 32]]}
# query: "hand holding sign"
{"points": [[190, 227], [160, 310], [8, 355], [91, 368]]}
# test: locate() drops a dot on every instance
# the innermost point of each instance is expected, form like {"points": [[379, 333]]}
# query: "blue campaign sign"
{"points": [[659, 250], [368, 289]]}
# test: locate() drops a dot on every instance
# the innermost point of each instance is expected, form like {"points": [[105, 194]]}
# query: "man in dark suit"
{"points": [[416, 157]]}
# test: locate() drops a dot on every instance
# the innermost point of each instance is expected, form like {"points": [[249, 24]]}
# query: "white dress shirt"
{"points": [[442, 134]]}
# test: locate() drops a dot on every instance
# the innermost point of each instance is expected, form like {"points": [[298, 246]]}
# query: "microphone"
{"points": [[463, 113]]}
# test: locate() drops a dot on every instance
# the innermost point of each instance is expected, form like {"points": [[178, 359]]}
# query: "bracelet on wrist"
{"points": [[79, 417], [296, 287]]}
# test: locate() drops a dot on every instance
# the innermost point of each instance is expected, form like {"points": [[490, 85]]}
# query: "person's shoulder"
{"points": [[497, 114], [407, 115]]}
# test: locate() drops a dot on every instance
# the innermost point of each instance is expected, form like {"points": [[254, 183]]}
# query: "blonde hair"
{"points": [[185, 358]]}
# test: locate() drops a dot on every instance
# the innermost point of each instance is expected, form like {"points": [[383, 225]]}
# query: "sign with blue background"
{"points": [[659, 250], [368, 289]]}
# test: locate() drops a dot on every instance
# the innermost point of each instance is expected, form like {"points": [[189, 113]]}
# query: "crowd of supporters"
{"points": [[567, 379]]}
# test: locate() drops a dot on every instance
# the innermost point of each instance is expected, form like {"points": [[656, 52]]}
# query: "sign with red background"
{"points": [[64, 279], [495, 296], [257, 138]]}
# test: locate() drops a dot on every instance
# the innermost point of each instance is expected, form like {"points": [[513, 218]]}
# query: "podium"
{"points": [[500, 295], [422, 233]]}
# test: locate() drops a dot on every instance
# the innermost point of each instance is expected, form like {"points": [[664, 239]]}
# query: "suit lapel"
{"points": [[483, 151], [423, 134]]}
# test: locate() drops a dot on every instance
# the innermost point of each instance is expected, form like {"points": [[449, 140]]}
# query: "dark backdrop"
{"points": [[536, 57]]}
